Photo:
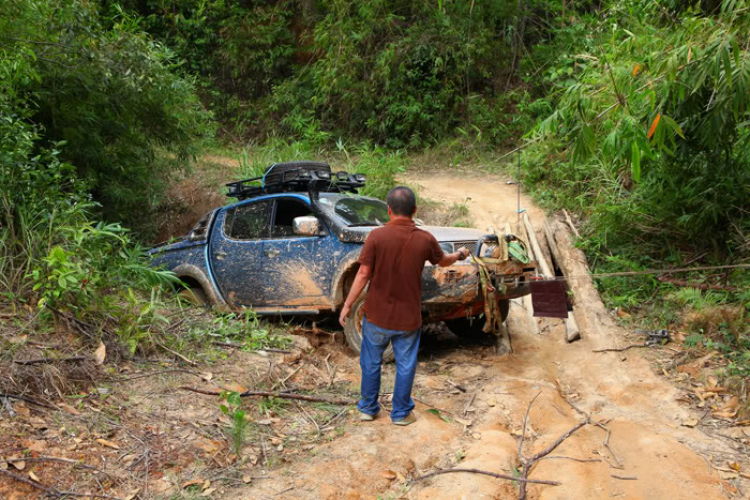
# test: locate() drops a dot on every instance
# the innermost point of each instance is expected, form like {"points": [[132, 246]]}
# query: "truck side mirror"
{"points": [[307, 225]]}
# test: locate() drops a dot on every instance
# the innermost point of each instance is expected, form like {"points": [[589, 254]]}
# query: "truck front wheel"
{"points": [[472, 327], [353, 329]]}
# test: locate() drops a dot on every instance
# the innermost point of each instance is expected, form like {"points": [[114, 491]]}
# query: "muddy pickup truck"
{"points": [[290, 245]]}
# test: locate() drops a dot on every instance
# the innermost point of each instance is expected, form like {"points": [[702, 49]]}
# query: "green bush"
{"points": [[649, 134], [110, 95]]}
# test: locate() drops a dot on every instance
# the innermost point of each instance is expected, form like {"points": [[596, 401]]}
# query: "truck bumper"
{"points": [[454, 291]]}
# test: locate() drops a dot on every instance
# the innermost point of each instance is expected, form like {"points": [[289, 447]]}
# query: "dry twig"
{"points": [[189, 361], [27, 400], [582, 460], [620, 349], [38, 361], [281, 395], [486, 473], [523, 433], [468, 405], [528, 464], [51, 491], [570, 223], [606, 444]]}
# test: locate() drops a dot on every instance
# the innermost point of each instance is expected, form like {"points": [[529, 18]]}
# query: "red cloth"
{"points": [[397, 253], [549, 298]]}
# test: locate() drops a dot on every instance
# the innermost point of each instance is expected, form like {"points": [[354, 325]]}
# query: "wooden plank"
{"points": [[539, 255]]}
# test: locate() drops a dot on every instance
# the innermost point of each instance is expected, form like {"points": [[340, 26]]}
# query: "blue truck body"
{"points": [[246, 255]]}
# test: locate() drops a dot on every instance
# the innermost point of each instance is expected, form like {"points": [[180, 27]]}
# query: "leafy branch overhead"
{"points": [[662, 108]]}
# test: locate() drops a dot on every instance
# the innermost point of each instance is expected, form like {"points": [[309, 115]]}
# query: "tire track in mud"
{"points": [[647, 440]]}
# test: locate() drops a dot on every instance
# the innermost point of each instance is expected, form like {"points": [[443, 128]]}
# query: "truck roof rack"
{"points": [[313, 177]]}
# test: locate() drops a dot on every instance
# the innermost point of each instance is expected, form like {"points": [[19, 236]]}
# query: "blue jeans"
{"points": [[375, 340]]}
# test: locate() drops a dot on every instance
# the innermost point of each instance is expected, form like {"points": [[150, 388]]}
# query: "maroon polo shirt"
{"points": [[396, 253]]}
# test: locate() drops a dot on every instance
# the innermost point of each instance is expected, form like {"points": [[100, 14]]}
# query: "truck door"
{"points": [[299, 269], [236, 251]]}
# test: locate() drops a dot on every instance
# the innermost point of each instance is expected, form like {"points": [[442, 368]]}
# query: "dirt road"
{"points": [[471, 406]]}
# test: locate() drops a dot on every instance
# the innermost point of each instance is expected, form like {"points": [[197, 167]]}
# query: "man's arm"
{"points": [[360, 281], [450, 258]]}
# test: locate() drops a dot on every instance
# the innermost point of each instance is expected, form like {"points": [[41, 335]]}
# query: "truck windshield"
{"points": [[356, 211]]}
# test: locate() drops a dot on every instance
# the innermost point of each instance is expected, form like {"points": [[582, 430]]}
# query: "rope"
{"points": [[647, 272]]}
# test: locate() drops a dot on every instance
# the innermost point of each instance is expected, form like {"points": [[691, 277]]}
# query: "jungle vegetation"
{"points": [[633, 114]]}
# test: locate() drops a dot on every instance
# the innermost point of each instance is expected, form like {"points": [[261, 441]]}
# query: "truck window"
{"points": [[248, 222], [287, 209]]}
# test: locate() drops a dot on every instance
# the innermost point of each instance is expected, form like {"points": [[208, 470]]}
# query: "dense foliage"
{"points": [[398, 72], [649, 131], [83, 112], [110, 96]]}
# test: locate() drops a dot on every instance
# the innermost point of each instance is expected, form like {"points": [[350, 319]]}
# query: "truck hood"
{"points": [[359, 234]]}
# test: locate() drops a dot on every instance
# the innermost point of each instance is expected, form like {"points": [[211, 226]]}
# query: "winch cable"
{"points": [[493, 321], [647, 272]]}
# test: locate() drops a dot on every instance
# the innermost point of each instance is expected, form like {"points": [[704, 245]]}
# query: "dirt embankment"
{"points": [[471, 407]]}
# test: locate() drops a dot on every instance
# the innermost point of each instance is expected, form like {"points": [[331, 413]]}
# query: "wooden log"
{"points": [[530, 311], [572, 332], [551, 244], [570, 223], [527, 304], [594, 318], [537, 249]]}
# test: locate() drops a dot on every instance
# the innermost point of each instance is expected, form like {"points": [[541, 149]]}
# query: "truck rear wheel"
{"points": [[353, 329], [472, 327]]}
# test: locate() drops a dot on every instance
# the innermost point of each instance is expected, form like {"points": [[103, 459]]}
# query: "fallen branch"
{"points": [[606, 443], [280, 395], [631, 346], [151, 374], [625, 478], [598, 424], [27, 400], [282, 382], [37, 361], [486, 473], [468, 405], [51, 491], [48, 458], [528, 464], [523, 433], [570, 223], [48, 491], [242, 346], [189, 361], [582, 460]]}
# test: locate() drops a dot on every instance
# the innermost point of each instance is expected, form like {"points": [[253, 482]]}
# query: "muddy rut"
{"points": [[471, 406]]}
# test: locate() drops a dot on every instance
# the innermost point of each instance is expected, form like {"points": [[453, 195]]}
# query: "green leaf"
{"points": [[727, 65], [636, 163], [673, 125]]}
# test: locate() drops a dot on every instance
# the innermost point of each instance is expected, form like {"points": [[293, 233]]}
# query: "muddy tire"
{"points": [[195, 296], [472, 327], [353, 330]]}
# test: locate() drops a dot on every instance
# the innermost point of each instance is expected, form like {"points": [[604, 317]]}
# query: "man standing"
{"points": [[392, 261]]}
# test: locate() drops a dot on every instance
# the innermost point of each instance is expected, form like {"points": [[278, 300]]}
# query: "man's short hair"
{"points": [[402, 201]]}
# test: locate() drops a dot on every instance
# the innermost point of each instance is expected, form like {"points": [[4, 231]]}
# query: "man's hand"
{"points": [[344, 314], [360, 281], [463, 253]]}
